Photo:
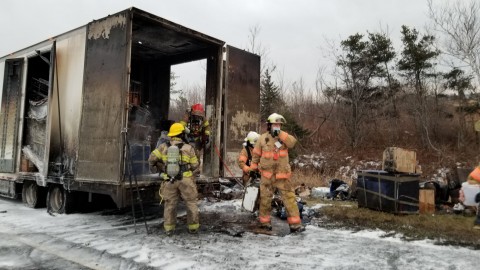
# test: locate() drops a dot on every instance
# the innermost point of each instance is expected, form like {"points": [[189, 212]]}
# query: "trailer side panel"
{"points": [[105, 77], [242, 103], [66, 103]]}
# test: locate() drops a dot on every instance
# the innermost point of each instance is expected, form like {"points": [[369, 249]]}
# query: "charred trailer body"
{"points": [[70, 105]]}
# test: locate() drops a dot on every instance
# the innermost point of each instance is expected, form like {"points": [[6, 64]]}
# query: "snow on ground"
{"points": [[33, 239]]}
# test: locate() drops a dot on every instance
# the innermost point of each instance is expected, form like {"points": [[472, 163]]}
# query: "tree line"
{"points": [[421, 96]]}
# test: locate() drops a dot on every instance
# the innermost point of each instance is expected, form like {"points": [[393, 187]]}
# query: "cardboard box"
{"points": [[400, 160], [427, 201]]}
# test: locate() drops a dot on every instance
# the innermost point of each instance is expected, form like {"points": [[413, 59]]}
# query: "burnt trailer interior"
{"points": [[82, 111]]}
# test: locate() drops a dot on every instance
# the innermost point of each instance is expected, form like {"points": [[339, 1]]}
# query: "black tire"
{"points": [[33, 196], [59, 201]]}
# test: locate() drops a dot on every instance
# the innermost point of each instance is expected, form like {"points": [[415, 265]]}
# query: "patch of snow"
{"points": [[320, 192], [31, 239]]}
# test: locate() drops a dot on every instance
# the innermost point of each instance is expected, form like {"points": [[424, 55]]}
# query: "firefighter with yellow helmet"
{"points": [[176, 162], [270, 156], [245, 156]]}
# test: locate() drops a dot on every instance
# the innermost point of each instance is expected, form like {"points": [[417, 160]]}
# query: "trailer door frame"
{"points": [[9, 113], [51, 83]]}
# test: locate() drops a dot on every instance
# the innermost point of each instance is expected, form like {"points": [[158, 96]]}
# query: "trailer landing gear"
{"points": [[59, 201], [33, 196]]}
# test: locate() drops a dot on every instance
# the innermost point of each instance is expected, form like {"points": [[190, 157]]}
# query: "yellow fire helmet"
{"points": [[175, 130], [276, 118]]}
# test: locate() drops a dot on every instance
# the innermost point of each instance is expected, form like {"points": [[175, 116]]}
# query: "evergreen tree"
{"points": [[270, 97], [462, 84], [362, 62], [417, 66]]}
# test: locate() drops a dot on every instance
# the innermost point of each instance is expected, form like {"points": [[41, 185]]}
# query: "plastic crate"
{"points": [[388, 192]]}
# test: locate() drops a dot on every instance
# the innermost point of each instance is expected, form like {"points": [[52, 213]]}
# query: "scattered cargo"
{"points": [[469, 192], [400, 160]]}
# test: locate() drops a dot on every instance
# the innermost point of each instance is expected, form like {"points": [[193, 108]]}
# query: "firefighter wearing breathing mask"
{"points": [[198, 127], [270, 157], [245, 156], [176, 162]]}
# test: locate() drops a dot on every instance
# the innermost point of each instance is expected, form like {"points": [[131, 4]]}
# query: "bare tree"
{"points": [[459, 23], [325, 99], [256, 47], [184, 98]]}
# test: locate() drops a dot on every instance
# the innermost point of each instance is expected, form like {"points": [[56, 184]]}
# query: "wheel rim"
{"points": [[56, 199], [31, 194]]}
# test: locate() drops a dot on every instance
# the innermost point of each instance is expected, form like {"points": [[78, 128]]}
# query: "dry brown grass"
{"points": [[443, 228], [312, 178]]}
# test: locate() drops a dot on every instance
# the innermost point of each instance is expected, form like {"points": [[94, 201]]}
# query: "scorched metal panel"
{"points": [[99, 157], [242, 103], [9, 114]]}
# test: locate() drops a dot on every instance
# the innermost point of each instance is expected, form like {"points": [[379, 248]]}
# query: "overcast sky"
{"points": [[293, 31]]}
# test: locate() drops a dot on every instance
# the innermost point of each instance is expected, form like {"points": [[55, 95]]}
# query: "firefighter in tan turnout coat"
{"points": [[245, 156], [270, 155], [177, 166]]}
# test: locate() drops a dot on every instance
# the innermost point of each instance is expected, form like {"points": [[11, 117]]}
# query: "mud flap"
{"points": [[250, 198]]}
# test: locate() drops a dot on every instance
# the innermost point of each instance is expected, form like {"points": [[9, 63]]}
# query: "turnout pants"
{"points": [[267, 187], [171, 192]]}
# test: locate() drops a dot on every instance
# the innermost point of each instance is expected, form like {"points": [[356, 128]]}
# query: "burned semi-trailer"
{"points": [[71, 105]]}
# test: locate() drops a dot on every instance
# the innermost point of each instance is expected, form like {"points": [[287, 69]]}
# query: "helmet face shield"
{"points": [[197, 120], [200, 114]]}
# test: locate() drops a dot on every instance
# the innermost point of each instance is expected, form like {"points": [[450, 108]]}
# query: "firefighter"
{"points": [[270, 156], [245, 157], [198, 127], [176, 161], [474, 179]]}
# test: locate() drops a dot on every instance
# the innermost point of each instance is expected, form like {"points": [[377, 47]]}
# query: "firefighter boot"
{"points": [[296, 228], [169, 232], [193, 228], [266, 226]]}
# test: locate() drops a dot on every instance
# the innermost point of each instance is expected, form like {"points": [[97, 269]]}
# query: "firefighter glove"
{"points": [[153, 169]]}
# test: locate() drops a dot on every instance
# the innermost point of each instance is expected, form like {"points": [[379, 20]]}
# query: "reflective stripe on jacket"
{"points": [[270, 159], [242, 161], [188, 157]]}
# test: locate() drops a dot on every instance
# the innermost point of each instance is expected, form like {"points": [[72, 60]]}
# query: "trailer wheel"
{"points": [[59, 200], [33, 196]]}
